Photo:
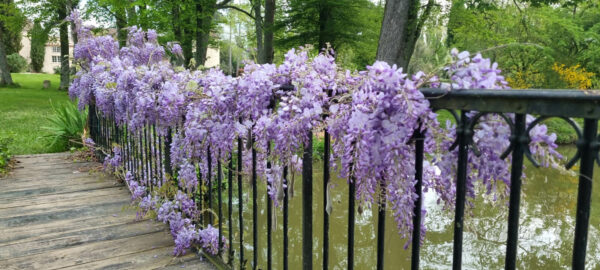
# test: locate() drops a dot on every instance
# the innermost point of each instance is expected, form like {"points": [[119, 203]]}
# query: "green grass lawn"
{"points": [[23, 112]]}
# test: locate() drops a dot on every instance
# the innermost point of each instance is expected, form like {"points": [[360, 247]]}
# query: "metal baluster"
{"points": [[285, 218], [230, 206], [140, 156], [167, 153], [351, 221], [240, 201], [219, 198], [463, 147], [307, 202], [519, 140], [254, 207], [209, 183], [161, 165], [155, 156], [381, 225], [145, 156], [588, 146], [326, 177], [416, 234], [269, 221], [200, 191]]}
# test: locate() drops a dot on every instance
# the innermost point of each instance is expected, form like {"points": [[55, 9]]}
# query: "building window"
{"points": [[56, 59], [56, 49]]}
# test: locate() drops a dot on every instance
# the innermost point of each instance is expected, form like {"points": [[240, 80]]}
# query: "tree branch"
{"points": [[223, 4], [424, 16], [238, 9]]}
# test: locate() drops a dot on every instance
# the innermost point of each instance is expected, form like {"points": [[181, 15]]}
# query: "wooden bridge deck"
{"points": [[55, 213]]}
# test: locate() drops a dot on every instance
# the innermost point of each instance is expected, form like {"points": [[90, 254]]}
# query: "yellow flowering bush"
{"points": [[574, 76]]}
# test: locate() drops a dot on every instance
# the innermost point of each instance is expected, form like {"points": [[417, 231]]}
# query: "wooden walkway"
{"points": [[56, 213]]}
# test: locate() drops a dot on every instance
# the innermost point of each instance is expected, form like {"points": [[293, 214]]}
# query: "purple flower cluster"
{"points": [[112, 163], [372, 116], [137, 189], [209, 240]]}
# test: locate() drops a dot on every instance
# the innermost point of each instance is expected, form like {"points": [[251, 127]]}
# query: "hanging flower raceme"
{"points": [[491, 134]]}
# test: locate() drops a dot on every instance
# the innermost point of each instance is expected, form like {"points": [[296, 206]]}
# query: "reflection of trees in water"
{"points": [[546, 227], [546, 230]]}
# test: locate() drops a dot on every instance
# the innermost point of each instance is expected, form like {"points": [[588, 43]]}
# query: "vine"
{"points": [[371, 116]]}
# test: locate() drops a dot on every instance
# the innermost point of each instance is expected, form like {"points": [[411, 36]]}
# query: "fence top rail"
{"points": [[566, 103]]}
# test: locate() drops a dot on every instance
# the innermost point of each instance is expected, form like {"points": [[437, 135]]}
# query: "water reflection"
{"points": [[546, 231]]}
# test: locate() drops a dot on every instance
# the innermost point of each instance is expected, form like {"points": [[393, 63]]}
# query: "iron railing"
{"points": [[146, 155]]}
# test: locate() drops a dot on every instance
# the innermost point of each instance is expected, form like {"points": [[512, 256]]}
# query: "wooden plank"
{"points": [[45, 190], [44, 155], [159, 258], [52, 207], [46, 243], [90, 252], [50, 198], [52, 165], [83, 211], [108, 216], [57, 171], [54, 181]]}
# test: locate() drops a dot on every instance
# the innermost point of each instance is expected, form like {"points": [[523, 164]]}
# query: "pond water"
{"points": [[546, 231]]}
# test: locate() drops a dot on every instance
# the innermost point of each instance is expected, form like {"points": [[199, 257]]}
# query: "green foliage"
{"points": [[39, 37], [12, 21], [527, 41], [350, 27], [318, 147], [5, 155], [564, 132], [66, 125], [22, 112], [16, 63]]}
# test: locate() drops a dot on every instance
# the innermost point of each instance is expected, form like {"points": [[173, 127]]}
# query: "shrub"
{"points": [[5, 155], [16, 63], [66, 126]]}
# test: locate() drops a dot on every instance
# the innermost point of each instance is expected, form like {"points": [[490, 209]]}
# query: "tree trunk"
{"points": [[71, 5], [177, 33], [5, 78], [121, 20], [400, 30], [324, 13], [176, 20], [186, 44], [205, 10], [257, 10], [65, 74], [268, 30]]}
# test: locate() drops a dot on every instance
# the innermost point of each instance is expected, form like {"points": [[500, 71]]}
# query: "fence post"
{"points": [[588, 146], [307, 201]]}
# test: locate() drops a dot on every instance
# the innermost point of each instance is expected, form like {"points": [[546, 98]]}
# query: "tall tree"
{"points": [[402, 23], [65, 73], [258, 25], [318, 22], [205, 10], [39, 37], [11, 20], [268, 30], [205, 13]]}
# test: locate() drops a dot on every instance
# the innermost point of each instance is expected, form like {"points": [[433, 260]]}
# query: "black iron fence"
{"points": [[146, 155]]}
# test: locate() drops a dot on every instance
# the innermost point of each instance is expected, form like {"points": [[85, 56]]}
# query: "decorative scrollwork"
{"points": [[470, 126], [572, 123]]}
